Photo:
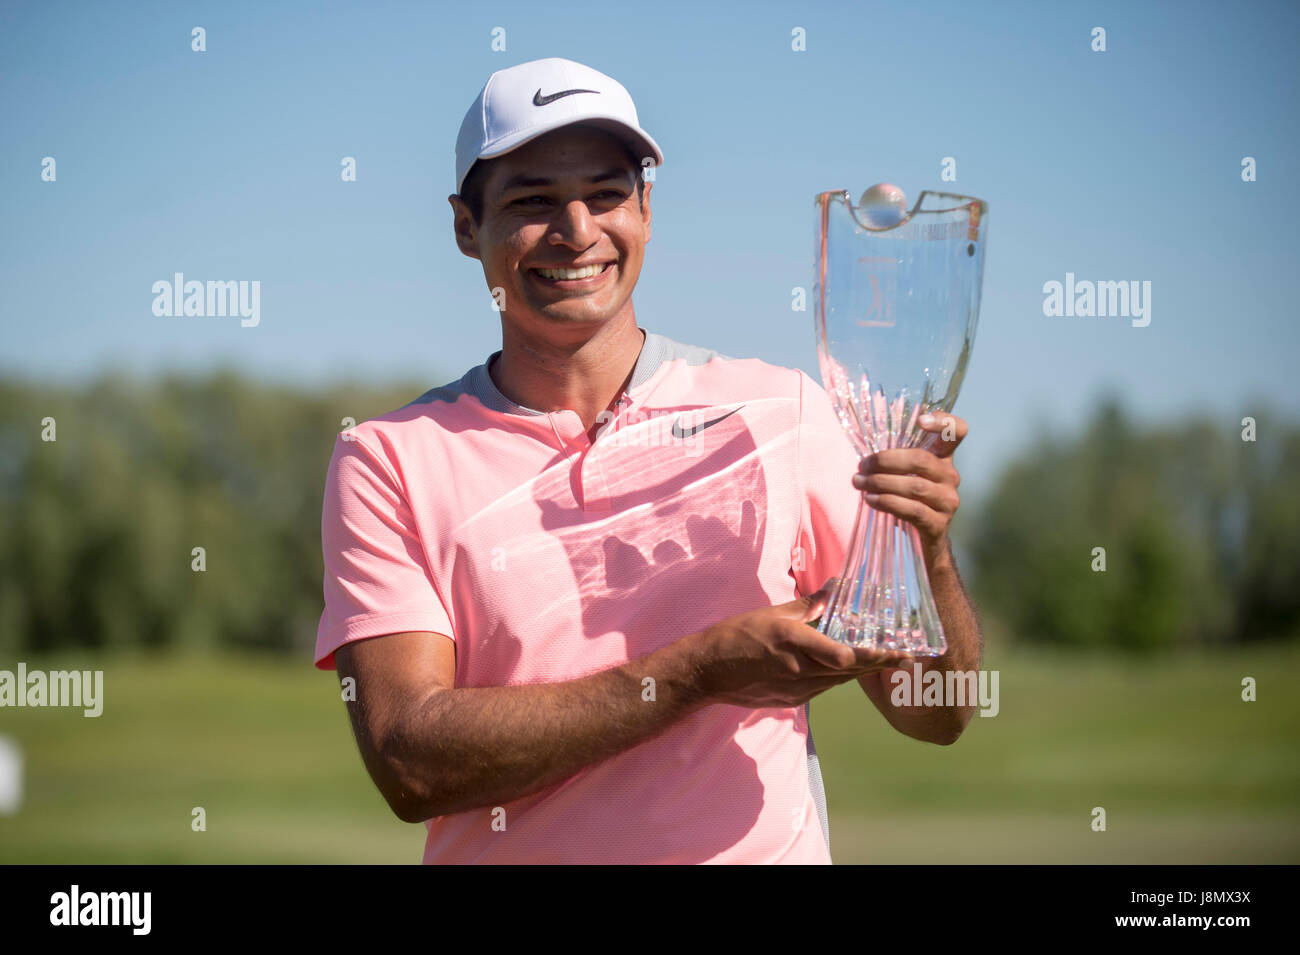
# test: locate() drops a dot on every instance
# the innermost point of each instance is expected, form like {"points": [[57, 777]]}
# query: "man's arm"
{"points": [[936, 724], [920, 487], [434, 749]]}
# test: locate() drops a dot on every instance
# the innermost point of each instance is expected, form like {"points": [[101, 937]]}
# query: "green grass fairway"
{"points": [[1186, 771]]}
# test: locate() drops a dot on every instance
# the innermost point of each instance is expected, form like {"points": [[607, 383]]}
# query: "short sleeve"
{"points": [[377, 579], [825, 463]]}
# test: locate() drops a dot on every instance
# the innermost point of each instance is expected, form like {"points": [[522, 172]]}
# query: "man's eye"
{"points": [[607, 194]]}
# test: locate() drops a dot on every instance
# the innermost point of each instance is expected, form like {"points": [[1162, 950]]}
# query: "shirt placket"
{"points": [[585, 458]]}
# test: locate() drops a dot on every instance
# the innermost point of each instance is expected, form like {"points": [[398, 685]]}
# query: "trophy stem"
{"points": [[883, 597]]}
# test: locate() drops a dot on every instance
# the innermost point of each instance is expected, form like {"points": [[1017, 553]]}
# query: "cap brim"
{"points": [[641, 142]]}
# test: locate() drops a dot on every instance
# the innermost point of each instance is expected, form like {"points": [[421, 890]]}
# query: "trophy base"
{"points": [[884, 583], [856, 631]]}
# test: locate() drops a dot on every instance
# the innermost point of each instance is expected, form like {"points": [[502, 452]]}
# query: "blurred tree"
{"points": [[1269, 577], [1200, 531], [98, 528]]}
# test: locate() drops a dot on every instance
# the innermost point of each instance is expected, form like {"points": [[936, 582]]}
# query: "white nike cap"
{"points": [[520, 103]]}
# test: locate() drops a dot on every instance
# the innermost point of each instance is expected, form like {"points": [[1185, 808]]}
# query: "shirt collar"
{"points": [[654, 351]]}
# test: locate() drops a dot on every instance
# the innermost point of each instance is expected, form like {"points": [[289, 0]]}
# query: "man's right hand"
{"points": [[772, 657]]}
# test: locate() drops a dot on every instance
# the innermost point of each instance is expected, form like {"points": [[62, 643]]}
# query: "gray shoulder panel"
{"points": [[658, 349], [448, 393]]}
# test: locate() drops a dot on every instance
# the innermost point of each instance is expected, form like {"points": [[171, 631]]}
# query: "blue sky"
{"points": [[1122, 165]]}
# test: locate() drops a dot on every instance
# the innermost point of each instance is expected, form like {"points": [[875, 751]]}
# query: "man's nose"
{"points": [[575, 225]]}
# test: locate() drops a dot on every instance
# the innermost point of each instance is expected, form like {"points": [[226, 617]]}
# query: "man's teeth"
{"points": [[568, 275]]}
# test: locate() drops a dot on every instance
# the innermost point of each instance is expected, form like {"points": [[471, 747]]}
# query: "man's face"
{"points": [[564, 200]]}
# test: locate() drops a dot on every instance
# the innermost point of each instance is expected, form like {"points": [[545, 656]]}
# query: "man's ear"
{"points": [[645, 209], [463, 227]]}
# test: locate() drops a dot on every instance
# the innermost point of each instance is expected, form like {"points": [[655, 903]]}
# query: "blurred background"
{"points": [[128, 155]]}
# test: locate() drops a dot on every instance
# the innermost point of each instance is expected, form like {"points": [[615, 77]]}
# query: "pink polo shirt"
{"points": [[721, 485]]}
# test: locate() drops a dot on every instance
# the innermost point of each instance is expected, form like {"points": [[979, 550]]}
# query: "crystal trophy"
{"points": [[897, 299]]}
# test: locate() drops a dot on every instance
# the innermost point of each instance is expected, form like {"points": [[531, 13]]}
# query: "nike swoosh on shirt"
{"points": [[679, 432], [540, 100]]}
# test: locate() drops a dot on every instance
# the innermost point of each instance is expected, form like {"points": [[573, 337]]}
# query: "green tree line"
{"points": [[1200, 529], [1145, 538]]}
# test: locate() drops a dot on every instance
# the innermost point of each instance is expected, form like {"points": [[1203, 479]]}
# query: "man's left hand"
{"points": [[918, 486]]}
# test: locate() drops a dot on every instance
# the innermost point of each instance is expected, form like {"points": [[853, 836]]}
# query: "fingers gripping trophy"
{"points": [[897, 298]]}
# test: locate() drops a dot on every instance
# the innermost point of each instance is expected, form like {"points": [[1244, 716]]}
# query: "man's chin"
{"points": [[565, 324], [560, 320], [570, 313]]}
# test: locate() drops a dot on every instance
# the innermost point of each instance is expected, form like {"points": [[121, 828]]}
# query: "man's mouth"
{"points": [[566, 276]]}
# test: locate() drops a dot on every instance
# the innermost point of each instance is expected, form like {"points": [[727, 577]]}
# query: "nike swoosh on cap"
{"points": [[679, 432], [540, 100]]}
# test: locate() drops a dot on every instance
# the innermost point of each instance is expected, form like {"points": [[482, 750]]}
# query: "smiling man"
{"points": [[569, 593]]}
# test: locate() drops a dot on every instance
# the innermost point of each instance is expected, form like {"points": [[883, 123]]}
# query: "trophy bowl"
{"points": [[897, 298]]}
